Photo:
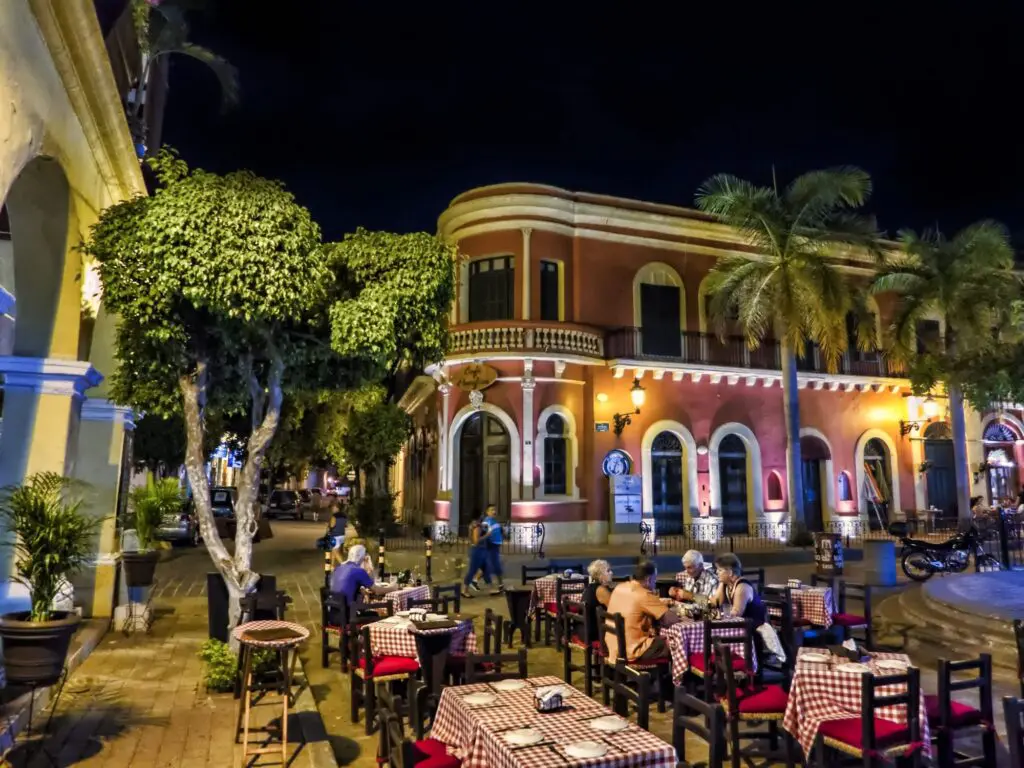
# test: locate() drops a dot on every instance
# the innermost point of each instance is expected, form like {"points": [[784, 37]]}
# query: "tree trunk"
{"points": [[962, 470], [791, 410]]}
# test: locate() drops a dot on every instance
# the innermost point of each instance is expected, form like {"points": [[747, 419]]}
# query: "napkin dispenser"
{"points": [[550, 700], [847, 652]]}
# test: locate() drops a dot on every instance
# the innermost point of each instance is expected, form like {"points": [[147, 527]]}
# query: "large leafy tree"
{"points": [[967, 282], [792, 288], [221, 285]]}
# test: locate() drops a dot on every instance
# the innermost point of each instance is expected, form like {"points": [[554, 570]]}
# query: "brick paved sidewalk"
{"points": [[141, 701]]}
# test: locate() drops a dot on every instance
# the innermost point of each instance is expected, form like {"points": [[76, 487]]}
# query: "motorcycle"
{"points": [[922, 559]]}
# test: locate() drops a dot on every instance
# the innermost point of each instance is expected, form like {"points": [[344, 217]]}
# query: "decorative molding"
{"points": [[559, 368], [49, 376], [476, 399], [421, 388], [101, 409], [755, 475], [573, 457], [691, 494]]}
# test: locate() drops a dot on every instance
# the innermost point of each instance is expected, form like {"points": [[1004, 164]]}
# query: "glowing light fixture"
{"points": [[930, 408], [636, 394], [602, 397], [622, 420]]}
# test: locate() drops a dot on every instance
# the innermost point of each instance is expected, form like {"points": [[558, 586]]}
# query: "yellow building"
{"points": [[65, 154]]}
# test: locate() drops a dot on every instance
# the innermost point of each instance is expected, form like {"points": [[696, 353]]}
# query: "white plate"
{"points": [[436, 616], [524, 736], [583, 750], [565, 690], [814, 658], [479, 699], [509, 685], [854, 669], [776, 586], [403, 614], [609, 724], [892, 664]]}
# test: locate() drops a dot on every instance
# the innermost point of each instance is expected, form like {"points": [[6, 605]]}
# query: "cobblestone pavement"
{"points": [[140, 702]]}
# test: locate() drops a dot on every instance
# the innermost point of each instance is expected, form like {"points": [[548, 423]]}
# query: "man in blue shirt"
{"points": [[350, 575], [493, 534]]}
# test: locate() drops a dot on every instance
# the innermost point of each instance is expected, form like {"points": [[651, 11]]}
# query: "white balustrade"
{"points": [[553, 339]]}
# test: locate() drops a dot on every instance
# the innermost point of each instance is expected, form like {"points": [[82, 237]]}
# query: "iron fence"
{"points": [[517, 539], [709, 537]]}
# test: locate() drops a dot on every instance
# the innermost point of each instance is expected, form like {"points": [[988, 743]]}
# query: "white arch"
{"points": [[691, 496], [454, 444], [566, 415], [1008, 418], [894, 469], [658, 273], [754, 478], [830, 475]]}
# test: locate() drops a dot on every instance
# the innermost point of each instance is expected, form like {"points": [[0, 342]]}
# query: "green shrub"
{"points": [[373, 512], [147, 506], [222, 665]]}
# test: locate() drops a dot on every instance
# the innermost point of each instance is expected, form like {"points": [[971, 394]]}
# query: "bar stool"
{"points": [[282, 637]]}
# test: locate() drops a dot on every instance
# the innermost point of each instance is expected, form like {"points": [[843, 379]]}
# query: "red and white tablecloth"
{"points": [[686, 638], [545, 591], [812, 604], [820, 693], [476, 735], [396, 636], [399, 598]]}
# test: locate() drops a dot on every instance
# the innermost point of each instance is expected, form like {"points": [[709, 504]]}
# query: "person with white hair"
{"points": [[696, 580], [597, 592], [352, 574]]}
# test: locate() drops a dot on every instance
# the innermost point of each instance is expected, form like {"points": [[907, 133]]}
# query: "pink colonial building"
{"points": [[567, 304]]}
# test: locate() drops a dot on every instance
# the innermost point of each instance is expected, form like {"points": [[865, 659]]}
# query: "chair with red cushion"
{"points": [[581, 638], [1013, 710], [754, 706], [489, 668], [780, 616], [552, 616], [632, 686], [660, 668], [947, 716], [871, 739], [397, 751], [339, 619], [734, 632], [705, 721], [853, 619], [1018, 633], [368, 672], [456, 667]]}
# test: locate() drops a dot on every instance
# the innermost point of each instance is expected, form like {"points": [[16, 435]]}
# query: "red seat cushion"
{"points": [[551, 607], [849, 731], [575, 608], [849, 620], [431, 747], [657, 661], [697, 662], [446, 761], [963, 715], [578, 642], [384, 666], [771, 699]]}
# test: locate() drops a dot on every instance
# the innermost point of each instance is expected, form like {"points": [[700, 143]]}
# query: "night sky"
{"points": [[377, 114]]}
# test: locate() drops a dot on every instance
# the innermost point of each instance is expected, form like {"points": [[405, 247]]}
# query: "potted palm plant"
{"points": [[147, 506], [54, 539]]}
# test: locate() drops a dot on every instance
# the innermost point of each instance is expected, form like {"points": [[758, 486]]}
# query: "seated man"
{"points": [[697, 580], [640, 607], [351, 575]]}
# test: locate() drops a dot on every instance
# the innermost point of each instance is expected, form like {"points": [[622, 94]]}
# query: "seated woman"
{"points": [[735, 595], [597, 592]]}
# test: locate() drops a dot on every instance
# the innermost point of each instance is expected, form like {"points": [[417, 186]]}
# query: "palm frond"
{"points": [[752, 210], [227, 73]]}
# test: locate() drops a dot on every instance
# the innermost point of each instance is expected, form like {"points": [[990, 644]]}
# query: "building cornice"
{"points": [[101, 409], [417, 393], [72, 34], [49, 376]]}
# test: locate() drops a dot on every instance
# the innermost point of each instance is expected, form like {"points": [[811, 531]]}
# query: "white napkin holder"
{"points": [[549, 700]]}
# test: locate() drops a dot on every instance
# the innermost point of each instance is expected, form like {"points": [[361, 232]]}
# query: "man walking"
{"points": [[493, 534]]}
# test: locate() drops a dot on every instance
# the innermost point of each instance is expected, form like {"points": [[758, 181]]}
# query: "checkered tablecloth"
{"points": [[242, 633], [812, 604], [476, 735], [686, 638], [397, 637], [545, 591], [820, 693], [400, 598]]}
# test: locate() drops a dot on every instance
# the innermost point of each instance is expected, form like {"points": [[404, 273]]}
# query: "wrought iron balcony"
{"points": [[692, 348], [536, 337]]}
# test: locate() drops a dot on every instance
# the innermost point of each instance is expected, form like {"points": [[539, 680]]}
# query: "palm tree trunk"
{"points": [[791, 408], [962, 471]]}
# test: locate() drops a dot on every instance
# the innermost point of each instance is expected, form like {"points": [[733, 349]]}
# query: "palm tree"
{"points": [[792, 287], [968, 284]]}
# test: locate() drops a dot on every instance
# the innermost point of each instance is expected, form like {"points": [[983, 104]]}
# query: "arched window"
{"points": [[732, 459], [938, 430], [556, 452], [774, 487], [997, 432], [845, 491]]}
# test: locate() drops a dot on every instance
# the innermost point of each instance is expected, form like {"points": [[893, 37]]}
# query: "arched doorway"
{"points": [[667, 484], [1001, 466], [659, 310], [485, 475], [732, 478], [814, 458], [941, 472], [877, 490]]}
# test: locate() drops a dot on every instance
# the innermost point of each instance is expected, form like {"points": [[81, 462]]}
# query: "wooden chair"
{"points": [[488, 668], [563, 567], [534, 572], [756, 578], [660, 668], [564, 588], [752, 705], [615, 625], [1018, 633], [947, 717], [702, 719], [398, 751], [452, 595], [850, 623], [1013, 709], [432, 604], [367, 672], [780, 616], [702, 665], [422, 708], [338, 618], [456, 666], [631, 686], [871, 739], [581, 638]]}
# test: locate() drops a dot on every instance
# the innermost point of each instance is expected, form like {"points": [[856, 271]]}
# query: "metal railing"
{"points": [[694, 348], [709, 537], [517, 539]]}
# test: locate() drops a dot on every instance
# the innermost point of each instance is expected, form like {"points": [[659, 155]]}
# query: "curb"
{"points": [[316, 750], [15, 712]]}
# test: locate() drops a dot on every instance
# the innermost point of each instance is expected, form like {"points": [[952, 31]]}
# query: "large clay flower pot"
{"points": [[139, 568], [34, 652]]}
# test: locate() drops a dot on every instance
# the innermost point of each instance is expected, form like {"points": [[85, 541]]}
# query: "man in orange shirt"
{"points": [[640, 607]]}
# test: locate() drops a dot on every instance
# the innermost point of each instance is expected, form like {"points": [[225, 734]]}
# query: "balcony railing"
{"points": [[526, 336], [692, 348]]}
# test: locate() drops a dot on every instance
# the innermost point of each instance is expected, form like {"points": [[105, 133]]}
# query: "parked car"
{"points": [[223, 501], [283, 503], [181, 527]]}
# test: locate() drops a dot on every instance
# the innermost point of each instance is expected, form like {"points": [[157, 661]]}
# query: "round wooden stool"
{"points": [[281, 637]]}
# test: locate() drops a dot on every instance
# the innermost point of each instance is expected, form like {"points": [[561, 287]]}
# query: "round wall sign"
{"points": [[616, 462]]}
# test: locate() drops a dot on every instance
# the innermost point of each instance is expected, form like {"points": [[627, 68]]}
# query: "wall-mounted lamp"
{"points": [[636, 394], [702, 449], [602, 397], [930, 408]]}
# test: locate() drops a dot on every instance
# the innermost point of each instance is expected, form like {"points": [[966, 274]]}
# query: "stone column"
{"points": [[529, 384], [104, 465], [975, 453], [444, 472], [42, 407]]}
